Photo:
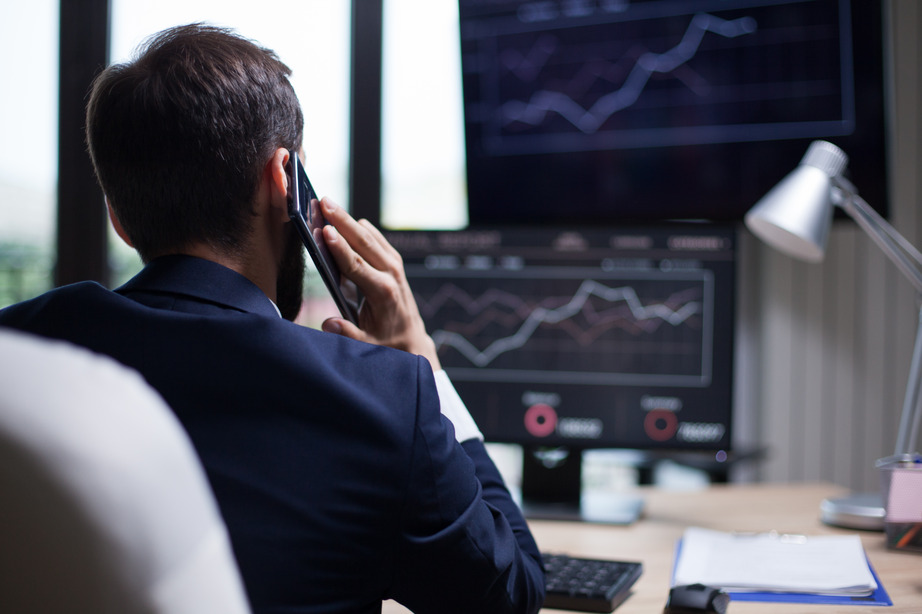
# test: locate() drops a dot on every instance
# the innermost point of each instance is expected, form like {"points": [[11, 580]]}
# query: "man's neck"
{"points": [[253, 269]]}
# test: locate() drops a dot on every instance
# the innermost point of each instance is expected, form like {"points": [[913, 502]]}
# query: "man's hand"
{"points": [[389, 315]]}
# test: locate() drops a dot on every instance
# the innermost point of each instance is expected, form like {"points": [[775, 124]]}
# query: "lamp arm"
{"points": [[876, 218], [909, 261], [912, 403], [902, 253]]}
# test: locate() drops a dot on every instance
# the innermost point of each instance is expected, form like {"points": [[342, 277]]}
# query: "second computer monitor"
{"points": [[584, 337]]}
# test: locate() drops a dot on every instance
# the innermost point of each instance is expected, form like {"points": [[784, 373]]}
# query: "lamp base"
{"points": [[857, 511]]}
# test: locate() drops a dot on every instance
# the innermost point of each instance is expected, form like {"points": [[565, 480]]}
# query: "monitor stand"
{"points": [[552, 490]]}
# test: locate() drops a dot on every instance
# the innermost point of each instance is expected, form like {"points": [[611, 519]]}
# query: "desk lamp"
{"points": [[794, 217]]}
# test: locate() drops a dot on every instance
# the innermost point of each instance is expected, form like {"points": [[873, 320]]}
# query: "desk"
{"points": [[785, 508]]}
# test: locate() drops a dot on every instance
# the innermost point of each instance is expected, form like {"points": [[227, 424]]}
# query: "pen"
{"points": [[909, 535]]}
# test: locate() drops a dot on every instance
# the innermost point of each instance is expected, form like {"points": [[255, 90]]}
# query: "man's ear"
{"points": [[117, 225], [277, 177]]}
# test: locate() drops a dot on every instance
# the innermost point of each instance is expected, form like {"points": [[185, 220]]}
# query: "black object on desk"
{"points": [[588, 585], [696, 599]]}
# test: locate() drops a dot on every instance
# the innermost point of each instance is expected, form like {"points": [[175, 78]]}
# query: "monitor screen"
{"points": [[643, 110], [584, 337]]}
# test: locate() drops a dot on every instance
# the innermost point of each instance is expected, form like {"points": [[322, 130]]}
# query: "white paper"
{"points": [[825, 564]]}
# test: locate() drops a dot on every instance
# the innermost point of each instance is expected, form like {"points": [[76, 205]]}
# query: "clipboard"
{"points": [[879, 597]]}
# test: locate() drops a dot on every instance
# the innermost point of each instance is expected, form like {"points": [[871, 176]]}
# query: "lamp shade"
{"points": [[794, 217]]}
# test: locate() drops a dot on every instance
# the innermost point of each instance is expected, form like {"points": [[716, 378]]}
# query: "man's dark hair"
{"points": [[179, 136]]}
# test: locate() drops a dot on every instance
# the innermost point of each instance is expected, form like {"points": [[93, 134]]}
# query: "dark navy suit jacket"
{"points": [[340, 481]]}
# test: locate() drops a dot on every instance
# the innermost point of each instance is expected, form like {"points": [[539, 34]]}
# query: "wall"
{"points": [[825, 348]]}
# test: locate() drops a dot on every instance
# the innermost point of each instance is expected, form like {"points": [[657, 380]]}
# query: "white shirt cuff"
{"points": [[454, 409]]}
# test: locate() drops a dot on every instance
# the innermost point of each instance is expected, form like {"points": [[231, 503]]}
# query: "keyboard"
{"points": [[588, 585]]}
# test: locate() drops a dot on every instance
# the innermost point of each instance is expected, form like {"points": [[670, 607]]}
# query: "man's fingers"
{"points": [[375, 284], [381, 239], [364, 239], [340, 326], [389, 316]]}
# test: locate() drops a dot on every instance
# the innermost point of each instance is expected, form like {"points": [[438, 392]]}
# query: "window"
{"points": [[422, 157], [28, 158]]}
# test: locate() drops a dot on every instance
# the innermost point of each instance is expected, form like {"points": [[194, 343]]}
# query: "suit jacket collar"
{"points": [[201, 279]]}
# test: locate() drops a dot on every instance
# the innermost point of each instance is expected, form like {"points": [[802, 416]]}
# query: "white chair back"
{"points": [[104, 505]]}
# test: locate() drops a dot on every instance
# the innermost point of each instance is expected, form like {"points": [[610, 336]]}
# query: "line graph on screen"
{"points": [[641, 65], [678, 74], [649, 327]]}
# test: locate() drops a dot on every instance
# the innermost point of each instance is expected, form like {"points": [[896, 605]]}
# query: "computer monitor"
{"points": [[582, 338], [646, 110]]}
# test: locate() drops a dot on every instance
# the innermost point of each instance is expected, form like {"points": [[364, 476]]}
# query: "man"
{"points": [[341, 482]]}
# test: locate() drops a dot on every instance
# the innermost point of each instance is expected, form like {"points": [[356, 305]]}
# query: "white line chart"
{"points": [[658, 74], [544, 102], [604, 327]]}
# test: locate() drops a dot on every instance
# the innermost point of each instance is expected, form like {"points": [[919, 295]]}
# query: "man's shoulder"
{"points": [[105, 321], [80, 288], [70, 298]]}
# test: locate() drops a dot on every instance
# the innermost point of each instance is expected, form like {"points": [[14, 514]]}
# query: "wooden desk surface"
{"points": [[784, 508]]}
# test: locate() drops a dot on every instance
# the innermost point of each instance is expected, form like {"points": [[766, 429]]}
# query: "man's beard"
{"points": [[289, 285]]}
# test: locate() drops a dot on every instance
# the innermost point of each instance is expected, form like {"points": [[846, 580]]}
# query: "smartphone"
{"points": [[304, 211]]}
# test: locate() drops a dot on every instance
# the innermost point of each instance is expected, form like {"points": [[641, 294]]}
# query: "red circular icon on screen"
{"points": [[540, 420], [660, 424]]}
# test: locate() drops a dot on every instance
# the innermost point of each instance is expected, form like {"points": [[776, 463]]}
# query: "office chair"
{"points": [[104, 506]]}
